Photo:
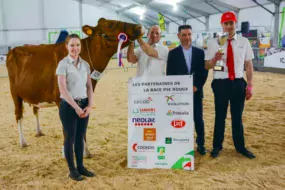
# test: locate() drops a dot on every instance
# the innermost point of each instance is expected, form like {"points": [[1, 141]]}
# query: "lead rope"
{"points": [[89, 55]]}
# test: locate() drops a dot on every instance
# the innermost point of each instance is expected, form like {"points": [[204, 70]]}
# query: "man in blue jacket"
{"points": [[189, 60]]}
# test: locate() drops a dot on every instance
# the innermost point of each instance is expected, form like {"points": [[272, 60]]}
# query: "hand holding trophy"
{"points": [[221, 39]]}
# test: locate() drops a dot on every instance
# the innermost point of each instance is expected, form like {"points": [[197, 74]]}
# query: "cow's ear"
{"points": [[87, 30], [101, 20]]}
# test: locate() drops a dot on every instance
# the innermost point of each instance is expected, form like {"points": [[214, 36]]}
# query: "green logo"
{"points": [[169, 113], [135, 111], [168, 140], [161, 152], [168, 98]]}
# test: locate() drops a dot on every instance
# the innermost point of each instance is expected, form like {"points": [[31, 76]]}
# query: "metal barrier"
{"points": [[126, 68], [4, 73], [258, 62]]}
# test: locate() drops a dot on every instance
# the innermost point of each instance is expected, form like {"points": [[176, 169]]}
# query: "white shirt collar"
{"points": [[235, 37], [71, 60], [190, 48], [155, 45]]}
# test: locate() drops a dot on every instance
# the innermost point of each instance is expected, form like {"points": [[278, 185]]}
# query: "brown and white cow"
{"points": [[31, 69]]}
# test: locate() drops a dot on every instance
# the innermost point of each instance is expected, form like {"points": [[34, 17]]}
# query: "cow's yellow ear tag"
{"points": [[89, 31]]}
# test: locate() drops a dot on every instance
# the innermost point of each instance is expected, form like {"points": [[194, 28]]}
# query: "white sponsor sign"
{"points": [[276, 60], [160, 122]]}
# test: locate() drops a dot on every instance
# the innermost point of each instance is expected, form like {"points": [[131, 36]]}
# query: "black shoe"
{"points": [[75, 175], [215, 152], [247, 154], [85, 172], [202, 150]]}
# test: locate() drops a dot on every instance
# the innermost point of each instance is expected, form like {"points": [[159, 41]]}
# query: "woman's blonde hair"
{"points": [[71, 36]]}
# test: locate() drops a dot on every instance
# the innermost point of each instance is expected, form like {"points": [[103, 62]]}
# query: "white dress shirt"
{"points": [[242, 52], [150, 66]]}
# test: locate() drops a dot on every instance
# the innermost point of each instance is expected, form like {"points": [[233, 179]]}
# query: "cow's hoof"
{"points": [[39, 134], [87, 155], [62, 152], [23, 145]]}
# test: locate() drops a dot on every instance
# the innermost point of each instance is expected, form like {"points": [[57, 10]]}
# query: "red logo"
{"points": [[135, 147], [178, 123]]}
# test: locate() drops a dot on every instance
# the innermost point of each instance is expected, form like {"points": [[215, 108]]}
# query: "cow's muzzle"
{"points": [[139, 30]]}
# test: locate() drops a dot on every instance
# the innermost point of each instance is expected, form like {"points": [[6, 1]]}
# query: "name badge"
{"points": [[96, 75]]}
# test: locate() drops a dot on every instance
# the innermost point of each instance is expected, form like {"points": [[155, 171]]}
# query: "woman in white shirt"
{"points": [[75, 88]]}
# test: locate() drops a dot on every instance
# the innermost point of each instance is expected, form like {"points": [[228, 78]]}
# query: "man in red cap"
{"points": [[229, 85]]}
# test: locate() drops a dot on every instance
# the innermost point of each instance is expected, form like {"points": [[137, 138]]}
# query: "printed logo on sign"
{"points": [[161, 152], [168, 140], [171, 113], [143, 121], [180, 140], [149, 134], [178, 124], [143, 101], [169, 98], [144, 111], [161, 164], [170, 101], [139, 160], [140, 148], [186, 165]]}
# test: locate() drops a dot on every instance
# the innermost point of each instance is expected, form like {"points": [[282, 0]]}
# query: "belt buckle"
{"points": [[79, 102]]}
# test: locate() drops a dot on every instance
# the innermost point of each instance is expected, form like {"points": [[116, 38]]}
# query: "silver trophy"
{"points": [[221, 39]]}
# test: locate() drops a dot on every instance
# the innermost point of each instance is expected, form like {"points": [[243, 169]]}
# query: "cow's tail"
{"points": [[11, 64]]}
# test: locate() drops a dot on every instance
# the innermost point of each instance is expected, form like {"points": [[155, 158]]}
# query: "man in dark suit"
{"points": [[188, 60]]}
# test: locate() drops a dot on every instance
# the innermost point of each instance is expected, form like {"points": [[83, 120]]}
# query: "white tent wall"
{"points": [[59, 14], [33, 23], [92, 14], [23, 16], [197, 25], [173, 27], [258, 17], [125, 19], [2, 38]]}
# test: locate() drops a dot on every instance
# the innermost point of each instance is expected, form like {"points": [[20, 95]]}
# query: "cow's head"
{"points": [[110, 29]]}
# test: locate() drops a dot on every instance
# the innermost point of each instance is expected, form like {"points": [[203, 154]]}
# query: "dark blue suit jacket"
{"points": [[176, 65]]}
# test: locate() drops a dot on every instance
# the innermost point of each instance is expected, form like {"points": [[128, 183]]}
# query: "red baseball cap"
{"points": [[228, 16]]}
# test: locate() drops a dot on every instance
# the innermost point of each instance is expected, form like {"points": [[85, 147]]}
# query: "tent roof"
{"points": [[187, 9]]}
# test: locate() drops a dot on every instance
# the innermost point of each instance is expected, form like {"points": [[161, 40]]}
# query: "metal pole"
{"points": [[80, 14], [43, 20], [276, 25], [4, 27], [27, 29], [207, 23]]}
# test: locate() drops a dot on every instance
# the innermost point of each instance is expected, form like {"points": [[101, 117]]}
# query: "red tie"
{"points": [[230, 61]]}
